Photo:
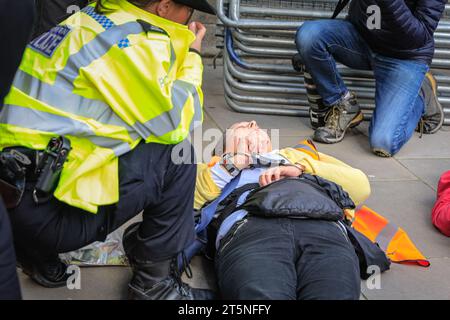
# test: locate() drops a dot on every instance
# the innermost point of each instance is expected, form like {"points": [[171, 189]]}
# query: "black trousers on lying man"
{"points": [[288, 259]]}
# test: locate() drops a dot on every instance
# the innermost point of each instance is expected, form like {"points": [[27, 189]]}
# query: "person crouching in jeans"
{"points": [[400, 55]]}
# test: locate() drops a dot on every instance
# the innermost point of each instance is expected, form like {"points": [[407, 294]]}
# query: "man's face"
{"points": [[247, 137]]}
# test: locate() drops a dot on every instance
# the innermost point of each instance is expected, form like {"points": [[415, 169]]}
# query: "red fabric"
{"points": [[441, 211]]}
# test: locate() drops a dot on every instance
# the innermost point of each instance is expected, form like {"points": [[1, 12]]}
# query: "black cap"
{"points": [[200, 5]]}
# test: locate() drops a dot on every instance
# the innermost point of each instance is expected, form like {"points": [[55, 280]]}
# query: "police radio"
{"points": [[50, 167]]}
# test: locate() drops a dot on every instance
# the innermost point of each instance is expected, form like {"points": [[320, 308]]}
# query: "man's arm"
{"points": [[211, 179], [418, 25], [352, 180]]}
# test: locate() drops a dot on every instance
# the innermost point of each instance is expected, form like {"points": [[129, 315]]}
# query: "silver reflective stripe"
{"points": [[306, 147], [173, 56], [48, 122], [198, 115], [69, 102], [94, 50], [386, 235], [170, 120]]}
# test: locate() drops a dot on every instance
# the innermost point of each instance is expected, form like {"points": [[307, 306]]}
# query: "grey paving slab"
{"points": [[110, 283], [406, 282], [225, 117], [213, 81], [101, 283], [428, 170], [429, 146], [203, 274], [408, 204], [289, 141]]}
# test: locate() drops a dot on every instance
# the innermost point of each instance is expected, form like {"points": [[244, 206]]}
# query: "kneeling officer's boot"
{"points": [[48, 271], [157, 280]]}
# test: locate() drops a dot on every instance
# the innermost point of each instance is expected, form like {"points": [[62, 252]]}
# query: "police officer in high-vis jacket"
{"points": [[91, 123]]}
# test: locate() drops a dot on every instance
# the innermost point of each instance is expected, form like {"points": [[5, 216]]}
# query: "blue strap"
{"points": [[207, 213]]}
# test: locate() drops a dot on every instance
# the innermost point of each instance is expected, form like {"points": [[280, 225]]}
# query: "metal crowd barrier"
{"points": [[259, 45]]}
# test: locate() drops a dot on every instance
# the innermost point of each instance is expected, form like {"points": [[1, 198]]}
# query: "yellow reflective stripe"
{"points": [[18, 136]]}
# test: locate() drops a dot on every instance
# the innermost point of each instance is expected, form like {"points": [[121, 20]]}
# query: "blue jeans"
{"points": [[398, 105]]}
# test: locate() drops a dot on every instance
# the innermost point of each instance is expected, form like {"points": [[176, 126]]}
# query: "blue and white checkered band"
{"points": [[49, 41], [100, 18]]}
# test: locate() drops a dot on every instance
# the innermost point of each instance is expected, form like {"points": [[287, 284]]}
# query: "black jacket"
{"points": [[52, 12], [407, 27], [307, 197]]}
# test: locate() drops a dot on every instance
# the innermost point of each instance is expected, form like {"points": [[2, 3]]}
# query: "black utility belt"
{"points": [[19, 165]]}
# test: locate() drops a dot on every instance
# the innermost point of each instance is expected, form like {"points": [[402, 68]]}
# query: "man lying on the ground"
{"points": [[441, 210], [293, 243]]}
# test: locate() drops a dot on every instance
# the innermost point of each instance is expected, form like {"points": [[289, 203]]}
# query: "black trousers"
{"points": [[149, 182], [52, 12], [287, 259]]}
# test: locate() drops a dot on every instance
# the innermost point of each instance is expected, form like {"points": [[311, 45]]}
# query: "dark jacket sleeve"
{"points": [[16, 21], [416, 25], [53, 12]]}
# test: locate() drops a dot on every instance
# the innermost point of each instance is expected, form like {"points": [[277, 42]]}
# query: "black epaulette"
{"points": [[148, 27]]}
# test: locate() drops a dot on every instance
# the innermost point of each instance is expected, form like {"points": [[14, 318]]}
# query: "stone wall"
{"points": [[209, 46]]}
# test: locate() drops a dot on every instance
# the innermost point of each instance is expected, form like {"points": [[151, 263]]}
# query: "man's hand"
{"points": [[243, 157], [200, 31], [278, 173]]}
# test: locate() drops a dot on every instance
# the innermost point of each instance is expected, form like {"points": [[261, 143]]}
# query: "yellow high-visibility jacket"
{"points": [[352, 180], [107, 82]]}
